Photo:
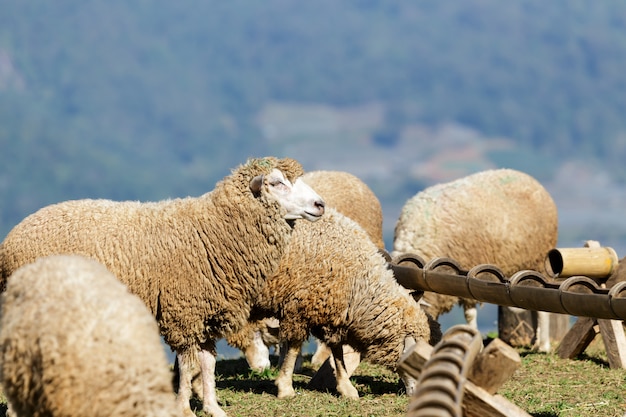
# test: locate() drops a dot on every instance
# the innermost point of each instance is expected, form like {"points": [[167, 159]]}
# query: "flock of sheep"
{"points": [[90, 285]]}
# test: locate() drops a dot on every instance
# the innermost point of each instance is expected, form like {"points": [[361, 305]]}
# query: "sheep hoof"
{"points": [[348, 391], [213, 411], [285, 390], [286, 393], [188, 413]]}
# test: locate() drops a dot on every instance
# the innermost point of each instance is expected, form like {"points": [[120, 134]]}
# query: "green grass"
{"points": [[544, 385]]}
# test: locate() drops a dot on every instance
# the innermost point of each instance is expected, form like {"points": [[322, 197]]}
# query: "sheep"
{"points": [[75, 342], [350, 196], [198, 263], [334, 283], [502, 217]]}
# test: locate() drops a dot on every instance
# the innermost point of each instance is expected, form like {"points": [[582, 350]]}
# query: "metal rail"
{"points": [[577, 296]]}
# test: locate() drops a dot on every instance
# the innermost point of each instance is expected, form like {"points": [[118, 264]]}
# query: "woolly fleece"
{"points": [[334, 283], [502, 217], [75, 342]]}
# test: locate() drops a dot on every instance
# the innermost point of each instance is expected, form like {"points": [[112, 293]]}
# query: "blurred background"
{"points": [[147, 100]]}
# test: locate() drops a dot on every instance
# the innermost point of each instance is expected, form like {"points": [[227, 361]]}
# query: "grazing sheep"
{"points": [[350, 196], [502, 217], [335, 284], [75, 342], [197, 263]]}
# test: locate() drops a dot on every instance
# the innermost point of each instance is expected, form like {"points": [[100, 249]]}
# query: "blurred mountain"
{"points": [[148, 100]]}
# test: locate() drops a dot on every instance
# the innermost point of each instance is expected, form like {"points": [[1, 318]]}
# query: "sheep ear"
{"points": [[256, 184]]}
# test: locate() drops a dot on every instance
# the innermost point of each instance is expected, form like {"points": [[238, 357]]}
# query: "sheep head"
{"points": [[297, 199]]}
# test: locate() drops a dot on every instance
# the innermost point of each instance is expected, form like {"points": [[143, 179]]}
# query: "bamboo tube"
{"points": [[592, 262]]}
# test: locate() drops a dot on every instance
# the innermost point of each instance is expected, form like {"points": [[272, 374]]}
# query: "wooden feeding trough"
{"points": [[602, 306]]}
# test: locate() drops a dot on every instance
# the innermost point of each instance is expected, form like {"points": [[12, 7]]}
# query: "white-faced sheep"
{"points": [[75, 342], [502, 217], [350, 196], [334, 283], [197, 263]]}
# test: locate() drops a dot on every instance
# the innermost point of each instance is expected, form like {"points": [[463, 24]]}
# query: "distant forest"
{"points": [[146, 100]]}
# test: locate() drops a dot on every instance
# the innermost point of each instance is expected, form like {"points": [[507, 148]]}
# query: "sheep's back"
{"points": [[325, 257], [502, 217], [121, 235], [351, 197], [75, 342]]}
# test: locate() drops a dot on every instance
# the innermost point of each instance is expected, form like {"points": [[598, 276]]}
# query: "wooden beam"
{"points": [[578, 338], [612, 332], [479, 403], [494, 366]]}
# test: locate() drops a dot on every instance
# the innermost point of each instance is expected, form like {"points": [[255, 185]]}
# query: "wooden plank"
{"points": [[612, 332], [414, 359], [479, 403], [578, 338], [494, 366]]}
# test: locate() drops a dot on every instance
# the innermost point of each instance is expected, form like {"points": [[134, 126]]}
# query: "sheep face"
{"points": [[298, 200]]}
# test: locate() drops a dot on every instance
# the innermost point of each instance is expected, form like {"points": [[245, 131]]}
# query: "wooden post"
{"points": [[612, 332], [578, 338], [516, 326], [585, 330], [494, 366]]}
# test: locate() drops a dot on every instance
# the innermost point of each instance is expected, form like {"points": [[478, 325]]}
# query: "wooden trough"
{"points": [[577, 296]]}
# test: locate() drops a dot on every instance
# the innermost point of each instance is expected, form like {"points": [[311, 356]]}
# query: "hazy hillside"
{"points": [[145, 100]]}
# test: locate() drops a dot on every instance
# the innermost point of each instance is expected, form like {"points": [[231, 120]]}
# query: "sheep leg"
{"points": [[542, 342], [321, 353], [344, 386], [284, 380], [471, 316], [185, 375], [257, 353], [206, 356]]}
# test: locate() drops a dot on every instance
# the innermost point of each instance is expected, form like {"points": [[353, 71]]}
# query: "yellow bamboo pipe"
{"points": [[593, 262]]}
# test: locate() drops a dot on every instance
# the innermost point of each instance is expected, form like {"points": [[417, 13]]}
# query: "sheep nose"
{"points": [[319, 204]]}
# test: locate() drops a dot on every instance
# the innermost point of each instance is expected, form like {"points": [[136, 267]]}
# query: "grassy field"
{"points": [[544, 386]]}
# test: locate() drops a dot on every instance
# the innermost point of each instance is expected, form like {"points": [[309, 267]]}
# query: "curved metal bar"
{"points": [[528, 288], [438, 279], [583, 295], [409, 258], [617, 295], [487, 282], [440, 385], [436, 263], [578, 296]]}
